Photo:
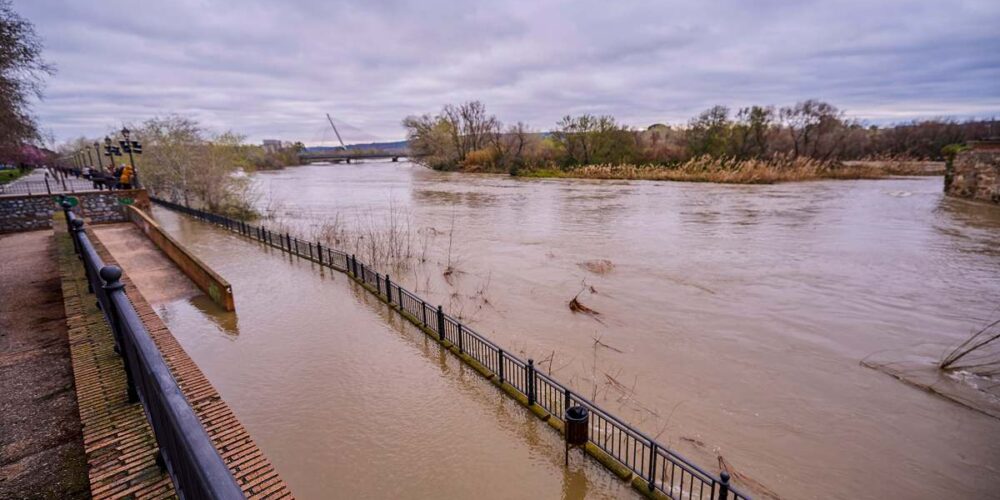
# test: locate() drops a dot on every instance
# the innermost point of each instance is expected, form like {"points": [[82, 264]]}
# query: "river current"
{"points": [[729, 321]]}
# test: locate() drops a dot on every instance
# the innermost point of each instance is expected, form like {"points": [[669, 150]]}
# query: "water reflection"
{"points": [[226, 321]]}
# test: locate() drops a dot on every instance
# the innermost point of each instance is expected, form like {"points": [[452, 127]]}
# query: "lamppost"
{"points": [[111, 152], [97, 151], [130, 147]]}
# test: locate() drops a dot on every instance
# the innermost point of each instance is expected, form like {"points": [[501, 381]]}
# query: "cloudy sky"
{"points": [[272, 69]]}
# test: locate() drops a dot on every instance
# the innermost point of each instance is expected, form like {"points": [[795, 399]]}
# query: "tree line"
{"points": [[467, 137]]}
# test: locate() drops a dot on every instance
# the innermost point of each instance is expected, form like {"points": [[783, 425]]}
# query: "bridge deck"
{"points": [[117, 438]]}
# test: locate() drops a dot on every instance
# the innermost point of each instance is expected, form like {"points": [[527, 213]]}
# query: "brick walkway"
{"points": [[124, 450]]}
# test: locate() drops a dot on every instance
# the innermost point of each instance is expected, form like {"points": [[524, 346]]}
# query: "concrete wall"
{"points": [[976, 173], [31, 212], [207, 280]]}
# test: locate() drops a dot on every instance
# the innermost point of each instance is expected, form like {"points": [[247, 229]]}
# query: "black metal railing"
{"points": [[661, 468], [185, 449]]}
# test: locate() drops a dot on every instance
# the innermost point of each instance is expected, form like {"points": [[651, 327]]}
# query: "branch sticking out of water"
{"points": [[984, 363]]}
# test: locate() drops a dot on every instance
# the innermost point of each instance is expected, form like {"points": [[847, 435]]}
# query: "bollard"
{"points": [[530, 382], [441, 323], [724, 486], [66, 207], [111, 275], [388, 290], [75, 235]]}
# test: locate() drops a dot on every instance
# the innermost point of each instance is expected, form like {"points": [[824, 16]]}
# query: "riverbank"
{"points": [[740, 172]]}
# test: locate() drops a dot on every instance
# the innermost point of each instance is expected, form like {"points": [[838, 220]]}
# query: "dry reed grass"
{"points": [[708, 169]]}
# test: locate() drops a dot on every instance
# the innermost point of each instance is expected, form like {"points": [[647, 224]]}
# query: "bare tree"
{"points": [[22, 74], [810, 123]]}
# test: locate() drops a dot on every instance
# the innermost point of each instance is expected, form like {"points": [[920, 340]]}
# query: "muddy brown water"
{"points": [[732, 322]]}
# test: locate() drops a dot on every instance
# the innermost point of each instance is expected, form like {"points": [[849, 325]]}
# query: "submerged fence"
{"points": [[661, 469], [186, 451]]}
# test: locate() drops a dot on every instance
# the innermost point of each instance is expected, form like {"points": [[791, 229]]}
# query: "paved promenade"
{"points": [[41, 445]]}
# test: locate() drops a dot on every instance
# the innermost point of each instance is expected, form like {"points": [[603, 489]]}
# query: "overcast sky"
{"points": [[272, 69]]}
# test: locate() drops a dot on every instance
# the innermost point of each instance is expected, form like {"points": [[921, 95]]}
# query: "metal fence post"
{"points": [[319, 252], [388, 290], [651, 479], [724, 486], [441, 323], [461, 342], [500, 364], [423, 310], [111, 275], [566, 401], [354, 265], [399, 292], [530, 382]]}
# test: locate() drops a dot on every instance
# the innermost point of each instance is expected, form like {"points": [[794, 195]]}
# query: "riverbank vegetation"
{"points": [[260, 158], [185, 164], [757, 144]]}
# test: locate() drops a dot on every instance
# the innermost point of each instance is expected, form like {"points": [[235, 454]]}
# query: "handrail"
{"points": [[639, 452], [185, 449]]}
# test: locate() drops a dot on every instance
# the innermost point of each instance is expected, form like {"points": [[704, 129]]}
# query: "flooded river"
{"points": [[730, 322]]}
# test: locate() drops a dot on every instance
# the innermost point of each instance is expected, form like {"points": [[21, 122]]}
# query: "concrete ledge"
{"points": [[204, 277]]}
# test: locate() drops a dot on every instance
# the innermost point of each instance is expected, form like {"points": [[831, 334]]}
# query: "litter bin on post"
{"points": [[577, 423]]}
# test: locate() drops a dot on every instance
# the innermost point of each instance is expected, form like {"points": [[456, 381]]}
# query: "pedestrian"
{"points": [[126, 176]]}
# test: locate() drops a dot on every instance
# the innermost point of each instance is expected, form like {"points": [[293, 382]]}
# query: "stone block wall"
{"points": [[32, 212], [976, 173]]}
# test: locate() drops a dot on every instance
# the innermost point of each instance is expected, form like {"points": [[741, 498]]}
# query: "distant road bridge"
{"points": [[346, 156]]}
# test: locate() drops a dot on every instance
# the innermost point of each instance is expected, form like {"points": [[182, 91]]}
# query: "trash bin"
{"points": [[577, 421]]}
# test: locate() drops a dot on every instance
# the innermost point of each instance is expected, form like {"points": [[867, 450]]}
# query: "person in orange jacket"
{"points": [[125, 181]]}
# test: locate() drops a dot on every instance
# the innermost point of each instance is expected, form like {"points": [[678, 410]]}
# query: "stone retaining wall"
{"points": [[976, 173], [32, 212]]}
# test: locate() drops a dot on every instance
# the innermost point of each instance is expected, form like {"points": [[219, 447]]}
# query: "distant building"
{"points": [[272, 145]]}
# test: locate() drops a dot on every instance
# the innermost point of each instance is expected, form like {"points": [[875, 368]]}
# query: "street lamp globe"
{"points": [[125, 133], [107, 141]]}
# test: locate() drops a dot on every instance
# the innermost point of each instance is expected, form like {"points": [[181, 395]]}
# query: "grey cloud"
{"points": [[272, 69]]}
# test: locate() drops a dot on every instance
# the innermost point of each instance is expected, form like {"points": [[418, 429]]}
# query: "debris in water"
{"points": [[599, 266]]}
